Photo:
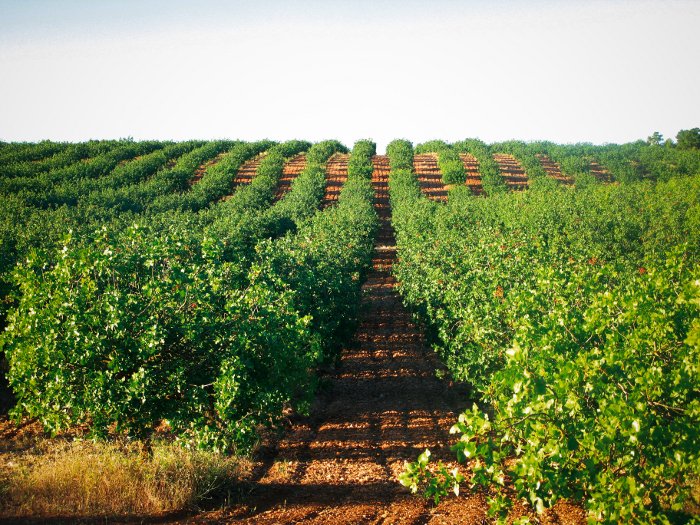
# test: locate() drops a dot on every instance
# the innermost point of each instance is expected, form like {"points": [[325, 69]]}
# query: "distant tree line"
{"points": [[685, 139]]}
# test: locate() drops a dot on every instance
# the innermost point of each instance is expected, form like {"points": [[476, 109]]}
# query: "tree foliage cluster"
{"points": [[574, 314]]}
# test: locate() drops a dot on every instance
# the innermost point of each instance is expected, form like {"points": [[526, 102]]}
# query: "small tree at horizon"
{"points": [[688, 138], [655, 139]]}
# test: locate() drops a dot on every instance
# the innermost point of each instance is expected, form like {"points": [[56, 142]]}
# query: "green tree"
{"points": [[655, 139], [688, 138]]}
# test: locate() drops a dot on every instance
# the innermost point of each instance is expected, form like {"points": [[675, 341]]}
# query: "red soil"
{"points": [[471, 166], [599, 172], [202, 169], [553, 170], [292, 168], [336, 175], [120, 164], [247, 171], [511, 171], [429, 176]]}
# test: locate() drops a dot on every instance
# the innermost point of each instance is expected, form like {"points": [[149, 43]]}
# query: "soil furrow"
{"points": [[336, 175], [511, 171], [599, 172], [553, 170], [202, 169], [471, 166], [292, 168], [246, 172], [380, 407], [429, 176]]}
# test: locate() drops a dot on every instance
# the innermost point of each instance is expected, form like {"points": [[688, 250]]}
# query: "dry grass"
{"points": [[85, 479]]}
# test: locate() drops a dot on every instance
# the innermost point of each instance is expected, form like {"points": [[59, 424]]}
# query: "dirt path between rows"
{"points": [[336, 175], [383, 405], [429, 176], [473, 175], [553, 170], [202, 169], [599, 172], [291, 170], [511, 171], [246, 173]]}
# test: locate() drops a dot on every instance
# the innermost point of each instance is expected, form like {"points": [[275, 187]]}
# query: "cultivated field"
{"points": [[262, 332]]}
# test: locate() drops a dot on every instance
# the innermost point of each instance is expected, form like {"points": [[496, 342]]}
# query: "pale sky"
{"points": [[567, 71]]}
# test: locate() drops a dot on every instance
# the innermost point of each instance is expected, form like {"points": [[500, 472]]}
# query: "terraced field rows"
{"points": [[511, 171], [292, 168], [599, 172], [553, 170], [336, 175], [429, 176], [247, 170], [471, 166], [202, 169], [380, 407], [382, 403]]}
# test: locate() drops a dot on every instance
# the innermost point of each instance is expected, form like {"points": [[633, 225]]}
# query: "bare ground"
{"points": [[599, 172], [291, 170], [471, 166], [336, 175], [429, 176], [511, 171], [202, 169], [553, 170]]}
